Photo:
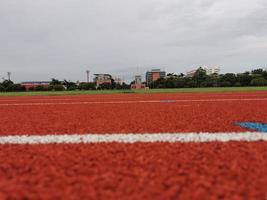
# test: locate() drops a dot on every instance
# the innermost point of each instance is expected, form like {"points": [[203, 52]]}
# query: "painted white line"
{"points": [[3, 99], [130, 102], [67, 99], [133, 138]]}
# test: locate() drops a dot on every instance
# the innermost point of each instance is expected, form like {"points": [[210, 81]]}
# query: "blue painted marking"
{"points": [[261, 127], [168, 101]]}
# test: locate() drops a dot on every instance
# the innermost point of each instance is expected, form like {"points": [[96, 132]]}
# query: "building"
{"points": [[33, 84], [212, 70], [191, 73], [102, 78], [154, 75], [138, 83], [118, 81], [209, 71]]}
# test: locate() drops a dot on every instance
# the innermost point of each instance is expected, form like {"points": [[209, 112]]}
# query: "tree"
{"points": [[56, 85], [227, 80], [7, 84], [55, 82], [125, 86], [113, 84], [2, 88], [264, 74], [200, 76], [257, 71], [258, 81], [69, 85], [244, 79], [181, 75], [18, 88], [159, 83]]}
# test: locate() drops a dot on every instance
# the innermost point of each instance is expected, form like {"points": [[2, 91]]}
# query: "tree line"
{"points": [[9, 86], [56, 85], [257, 77]]}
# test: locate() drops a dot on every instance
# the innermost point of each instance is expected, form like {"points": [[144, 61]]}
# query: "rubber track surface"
{"points": [[218, 116], [138, 171], [234, 170]]}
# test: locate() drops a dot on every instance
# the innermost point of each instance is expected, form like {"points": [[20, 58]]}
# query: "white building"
{"points": [[212, 70], [209, 70]]}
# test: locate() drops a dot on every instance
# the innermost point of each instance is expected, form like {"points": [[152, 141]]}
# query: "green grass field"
{"points": [[178, 90]]}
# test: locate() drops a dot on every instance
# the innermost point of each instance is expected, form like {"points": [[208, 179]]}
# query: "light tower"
{"points": [[8, 75], [88, 75]]}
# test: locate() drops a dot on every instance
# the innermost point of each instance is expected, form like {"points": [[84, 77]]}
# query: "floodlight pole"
{"points": [[88, 75], [8, 75]]}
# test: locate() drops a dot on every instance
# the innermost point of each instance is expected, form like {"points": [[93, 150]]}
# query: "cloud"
{"points": [[62, 38]]}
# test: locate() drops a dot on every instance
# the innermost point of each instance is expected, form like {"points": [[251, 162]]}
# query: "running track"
{"points": [[86, 164]]}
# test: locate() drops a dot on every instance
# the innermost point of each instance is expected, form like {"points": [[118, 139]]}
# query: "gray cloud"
{"points": [[44, 39]]}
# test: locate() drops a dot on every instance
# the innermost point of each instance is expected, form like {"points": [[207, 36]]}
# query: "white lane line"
{"points": [[133, 138], [63, 99], [123, 97], [130, 102]]}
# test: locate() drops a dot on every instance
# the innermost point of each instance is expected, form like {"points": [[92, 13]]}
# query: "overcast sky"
{"points": [[41, 39]]}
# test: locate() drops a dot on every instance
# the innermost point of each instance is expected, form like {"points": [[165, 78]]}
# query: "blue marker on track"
{"points": [[168, 101], [261, 127]]}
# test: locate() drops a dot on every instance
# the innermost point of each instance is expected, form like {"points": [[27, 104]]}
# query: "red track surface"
{"points": [[126, 118], [137, 171], [235, 170]]}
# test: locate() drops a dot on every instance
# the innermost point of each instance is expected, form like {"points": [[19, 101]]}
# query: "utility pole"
{"points": [[88, 75], [8, 75]]}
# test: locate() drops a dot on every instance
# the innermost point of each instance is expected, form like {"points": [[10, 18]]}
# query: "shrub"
{"points": [[39, 88], [225, 84], [87, 86], [73, 87], [58, 87], [31, 89], [50, 88], [19, 88]]}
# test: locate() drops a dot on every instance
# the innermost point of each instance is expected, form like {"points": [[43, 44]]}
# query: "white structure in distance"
{"points": [[209, 70]]}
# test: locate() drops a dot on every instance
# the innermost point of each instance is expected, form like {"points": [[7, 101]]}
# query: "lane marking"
{"points": [[256, 126], [129, 102], [133, 138], [3, 99], [67, 99]]}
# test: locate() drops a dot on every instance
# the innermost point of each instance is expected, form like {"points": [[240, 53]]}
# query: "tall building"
{"points": [[154, 75], [102, 78]]}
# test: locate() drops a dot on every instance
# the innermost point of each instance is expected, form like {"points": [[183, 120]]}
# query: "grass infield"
{"points": [[172, 90]]}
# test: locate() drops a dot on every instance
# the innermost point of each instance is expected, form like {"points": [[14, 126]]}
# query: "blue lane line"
{"points": [[168, 101], [261, 127]]}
